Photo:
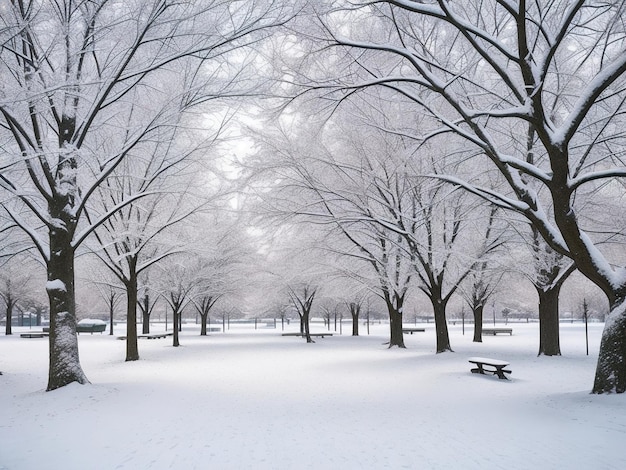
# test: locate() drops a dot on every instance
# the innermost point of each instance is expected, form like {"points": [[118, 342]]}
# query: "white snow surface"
{"points": [[253, 399], [56, 285]]}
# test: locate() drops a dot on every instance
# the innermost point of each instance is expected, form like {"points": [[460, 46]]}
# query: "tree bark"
{"points": [[611, 367], [111, 311], [549, 343], [64, 366], [307, 330], [441, 325], [395, 321], [145, 315], [9, 326], [132, 349], [175, 322], [355, 310], [203, 323], [478, 322]]}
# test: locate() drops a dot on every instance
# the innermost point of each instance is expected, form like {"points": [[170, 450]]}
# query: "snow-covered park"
{"points": [[254, 399]]}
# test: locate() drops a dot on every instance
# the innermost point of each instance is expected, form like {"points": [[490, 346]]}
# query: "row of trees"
{"points": [[536, 91], [96, 105], [518, 103], [427, 142]]}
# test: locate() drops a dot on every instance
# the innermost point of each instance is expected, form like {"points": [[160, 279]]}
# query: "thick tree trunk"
{"points": [[441, 325], [355, 324], [478, 323], [549, 321], [611, 368], [396, 337], [132, 350], [65, 365], [203, 321]]}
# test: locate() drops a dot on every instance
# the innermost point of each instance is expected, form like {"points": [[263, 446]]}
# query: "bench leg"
{"points": [[479, 369], [500, 372]]}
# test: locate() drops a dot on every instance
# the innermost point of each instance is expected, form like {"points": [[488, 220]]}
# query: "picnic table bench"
{"points": [[150, 335], [413, 330], [497, 365], [310, 334], [34, 334], [495, 331]]}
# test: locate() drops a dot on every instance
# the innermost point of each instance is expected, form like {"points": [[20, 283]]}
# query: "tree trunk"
{"points": [[145, 318], [478, 322], [549, 321], [355, 310], [355, 323], [111, 310], [65, 365], [611, 368], [176, 320], [395, 321], [307, 330], [132, 350], [441, 326], [9, 325], [203, 321]]}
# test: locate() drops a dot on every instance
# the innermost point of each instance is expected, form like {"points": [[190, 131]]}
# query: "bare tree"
{"points": [[483, 69], [302, 299]]}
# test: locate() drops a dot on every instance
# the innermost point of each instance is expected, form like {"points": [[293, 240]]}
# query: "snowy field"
{"points": [[252, 399]]}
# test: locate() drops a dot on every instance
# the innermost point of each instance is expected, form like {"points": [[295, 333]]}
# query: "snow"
{"points": [[254, 399], [92, 321], [56, 285]]}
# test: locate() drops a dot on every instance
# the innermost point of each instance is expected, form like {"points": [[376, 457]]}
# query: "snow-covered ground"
{"points": [[254, 399]]}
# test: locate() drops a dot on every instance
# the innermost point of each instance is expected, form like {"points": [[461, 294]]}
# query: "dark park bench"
{"points": [[497, 367], [150, 335], [496, 331], [34, 334], [413, 330], [321, 335]]}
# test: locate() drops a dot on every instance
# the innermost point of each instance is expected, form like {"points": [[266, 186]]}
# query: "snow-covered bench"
{"points": [[311, 334], [151, 335], [34, 334], [91, 326], [413, 330], [498, 366], [495, 331]]}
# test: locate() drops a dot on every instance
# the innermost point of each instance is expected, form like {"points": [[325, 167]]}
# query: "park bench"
{"points": [[150, 335], [498, 367], [86, 327], [34, 334], [495, 331], [413, 330], [310, 334]]}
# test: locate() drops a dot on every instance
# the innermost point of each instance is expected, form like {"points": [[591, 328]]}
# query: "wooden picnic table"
{"points": [[497, 367]]}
